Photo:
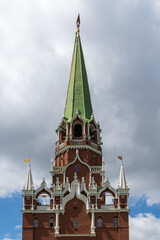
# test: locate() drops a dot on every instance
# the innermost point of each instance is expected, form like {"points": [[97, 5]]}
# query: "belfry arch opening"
{"points": [[62, 134], [43, 199], [108, 198], [77, 130]]}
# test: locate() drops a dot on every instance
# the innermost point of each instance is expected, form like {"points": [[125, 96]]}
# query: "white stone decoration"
{"points": [[83, 186], [106, 186], [75, 191], [42, 188]]}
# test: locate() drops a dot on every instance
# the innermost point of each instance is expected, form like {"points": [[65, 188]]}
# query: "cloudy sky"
{"points": [[120, 41]]}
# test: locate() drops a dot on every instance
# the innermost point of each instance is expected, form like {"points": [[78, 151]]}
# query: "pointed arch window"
{"points": [[51, 222], [35, 223], [75, 224], [99, 222], [115, 222]]}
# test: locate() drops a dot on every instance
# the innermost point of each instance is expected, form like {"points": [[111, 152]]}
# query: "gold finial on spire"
{"points": [[78, 24]]}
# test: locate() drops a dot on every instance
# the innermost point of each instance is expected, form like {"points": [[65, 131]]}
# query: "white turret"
{"points": [[122, 180], [29, 180]]}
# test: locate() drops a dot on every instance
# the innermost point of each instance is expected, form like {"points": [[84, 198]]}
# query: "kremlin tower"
{"points": [[80, 204]]}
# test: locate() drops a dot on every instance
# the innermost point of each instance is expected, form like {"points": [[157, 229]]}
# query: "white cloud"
{"points": [[18, 227], [7, 235], [144, 226], [7, 238]]}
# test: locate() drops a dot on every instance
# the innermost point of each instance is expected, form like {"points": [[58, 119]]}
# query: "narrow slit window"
{"points": [[115, 222], [35, 223], [51, 222], [99, 222], [77, 169], [75, 224]]}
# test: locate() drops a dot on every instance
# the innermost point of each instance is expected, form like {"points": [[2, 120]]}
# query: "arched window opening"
{"points": [[108, 198], [78, 130], [62, 134], [75, 224], [115, 222], [99, 222], [35, 223], [51, 222], [44, 199], [77, 169], [93, 133]]}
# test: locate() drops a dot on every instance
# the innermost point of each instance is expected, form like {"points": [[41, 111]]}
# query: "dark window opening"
{"points": [[115, 222], [99, 222], [75, 225], [77, 130], [92, 199], [35, 223], [51, 221], [77, 169], [93, 135]]}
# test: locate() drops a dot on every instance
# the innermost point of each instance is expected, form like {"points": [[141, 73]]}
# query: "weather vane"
{"points": [[78, 24]]}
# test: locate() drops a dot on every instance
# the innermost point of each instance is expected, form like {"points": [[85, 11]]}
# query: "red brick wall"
{"points": [[86, 155], [84, 172], [66, 220], [106, 232]]}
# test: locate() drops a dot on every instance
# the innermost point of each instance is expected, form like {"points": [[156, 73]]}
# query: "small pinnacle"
{"points": [[75, 176], [77, 152]]}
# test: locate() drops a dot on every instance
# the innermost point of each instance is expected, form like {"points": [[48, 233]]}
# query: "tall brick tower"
{"points": [[80, 204]]}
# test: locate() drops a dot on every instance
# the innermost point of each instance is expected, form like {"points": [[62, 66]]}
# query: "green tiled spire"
{"points": [[78, 95]]}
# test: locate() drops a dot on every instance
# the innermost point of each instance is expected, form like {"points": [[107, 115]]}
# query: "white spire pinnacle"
{"points": [[122, 180], [29, 180]]}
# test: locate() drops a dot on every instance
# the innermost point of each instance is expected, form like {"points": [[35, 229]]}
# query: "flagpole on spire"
{"points": [[78, 24]]}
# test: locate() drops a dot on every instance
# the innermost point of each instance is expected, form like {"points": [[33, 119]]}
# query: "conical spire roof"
{"points": [[78, 95], [122, 179], [29, 180]]}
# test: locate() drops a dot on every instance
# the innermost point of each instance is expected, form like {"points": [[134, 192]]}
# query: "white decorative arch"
{"points": [[78, 157], [75, 191], [42, 188], [67, 186], [107, 185], [77, 115]]}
